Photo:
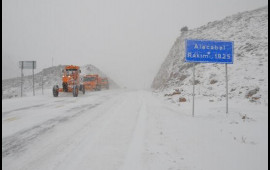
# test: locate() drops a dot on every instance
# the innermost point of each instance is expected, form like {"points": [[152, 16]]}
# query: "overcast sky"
{"points": [[127, 40]]}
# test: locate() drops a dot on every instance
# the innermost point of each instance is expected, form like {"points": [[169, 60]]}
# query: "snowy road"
{"points": [[119, 130]]}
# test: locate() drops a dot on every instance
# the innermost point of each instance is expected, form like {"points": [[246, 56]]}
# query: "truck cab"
{"points": [[92, 82]]}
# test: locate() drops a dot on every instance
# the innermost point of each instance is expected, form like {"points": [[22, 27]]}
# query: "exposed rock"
{"points": [[184, 29], [233, 89], [176, 91], [252, 92], [213, 81], [182, 99], [182, 77]]}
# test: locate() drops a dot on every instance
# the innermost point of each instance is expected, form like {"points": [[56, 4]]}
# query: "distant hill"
{"points": [[51, 76], [248, 76]]}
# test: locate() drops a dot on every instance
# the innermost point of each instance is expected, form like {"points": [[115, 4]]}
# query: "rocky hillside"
{"points": [[248, 75], [49, 76]]}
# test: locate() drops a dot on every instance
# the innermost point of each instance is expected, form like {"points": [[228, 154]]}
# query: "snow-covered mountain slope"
{"points": [[248, 75], [50, 76]]}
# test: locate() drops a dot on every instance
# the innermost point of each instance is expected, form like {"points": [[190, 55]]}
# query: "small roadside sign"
{"points": [[27, 64]]}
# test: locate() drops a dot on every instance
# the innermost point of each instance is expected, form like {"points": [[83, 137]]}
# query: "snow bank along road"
{"points": [[122, 130]]}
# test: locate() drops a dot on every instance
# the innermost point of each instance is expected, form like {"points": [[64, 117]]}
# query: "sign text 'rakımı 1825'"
{"points": [[208, 51]]}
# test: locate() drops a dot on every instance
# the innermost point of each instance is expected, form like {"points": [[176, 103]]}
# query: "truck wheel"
{"points": [[75, 91], [55, 90], [98, 88], [83, 89]]}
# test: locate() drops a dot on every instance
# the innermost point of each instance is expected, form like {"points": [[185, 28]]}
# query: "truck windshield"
{"points": [[70, 71], [89, 79]]}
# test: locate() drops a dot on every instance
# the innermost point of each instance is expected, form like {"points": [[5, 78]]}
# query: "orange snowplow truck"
{"points": [[104, 83], [70, 81], [92, 82]]}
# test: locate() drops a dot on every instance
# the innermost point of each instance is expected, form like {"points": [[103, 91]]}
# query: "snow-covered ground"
{"points": [[132, 130]]}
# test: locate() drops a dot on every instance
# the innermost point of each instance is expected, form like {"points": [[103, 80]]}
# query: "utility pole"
{"points": [[42, 81], [33, 79], [21, 78]]}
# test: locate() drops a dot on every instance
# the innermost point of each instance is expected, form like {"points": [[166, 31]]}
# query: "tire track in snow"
{"points": [[18, 142], [56, 155], [23, 108], [102, 124], [133, 159]]}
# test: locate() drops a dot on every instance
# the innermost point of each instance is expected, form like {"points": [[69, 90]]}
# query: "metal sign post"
{"points": [[226, 77], [207, 51], [193, 89]]}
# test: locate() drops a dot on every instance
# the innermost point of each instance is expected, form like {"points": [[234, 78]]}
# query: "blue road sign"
{"points": [[208, 51]]}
